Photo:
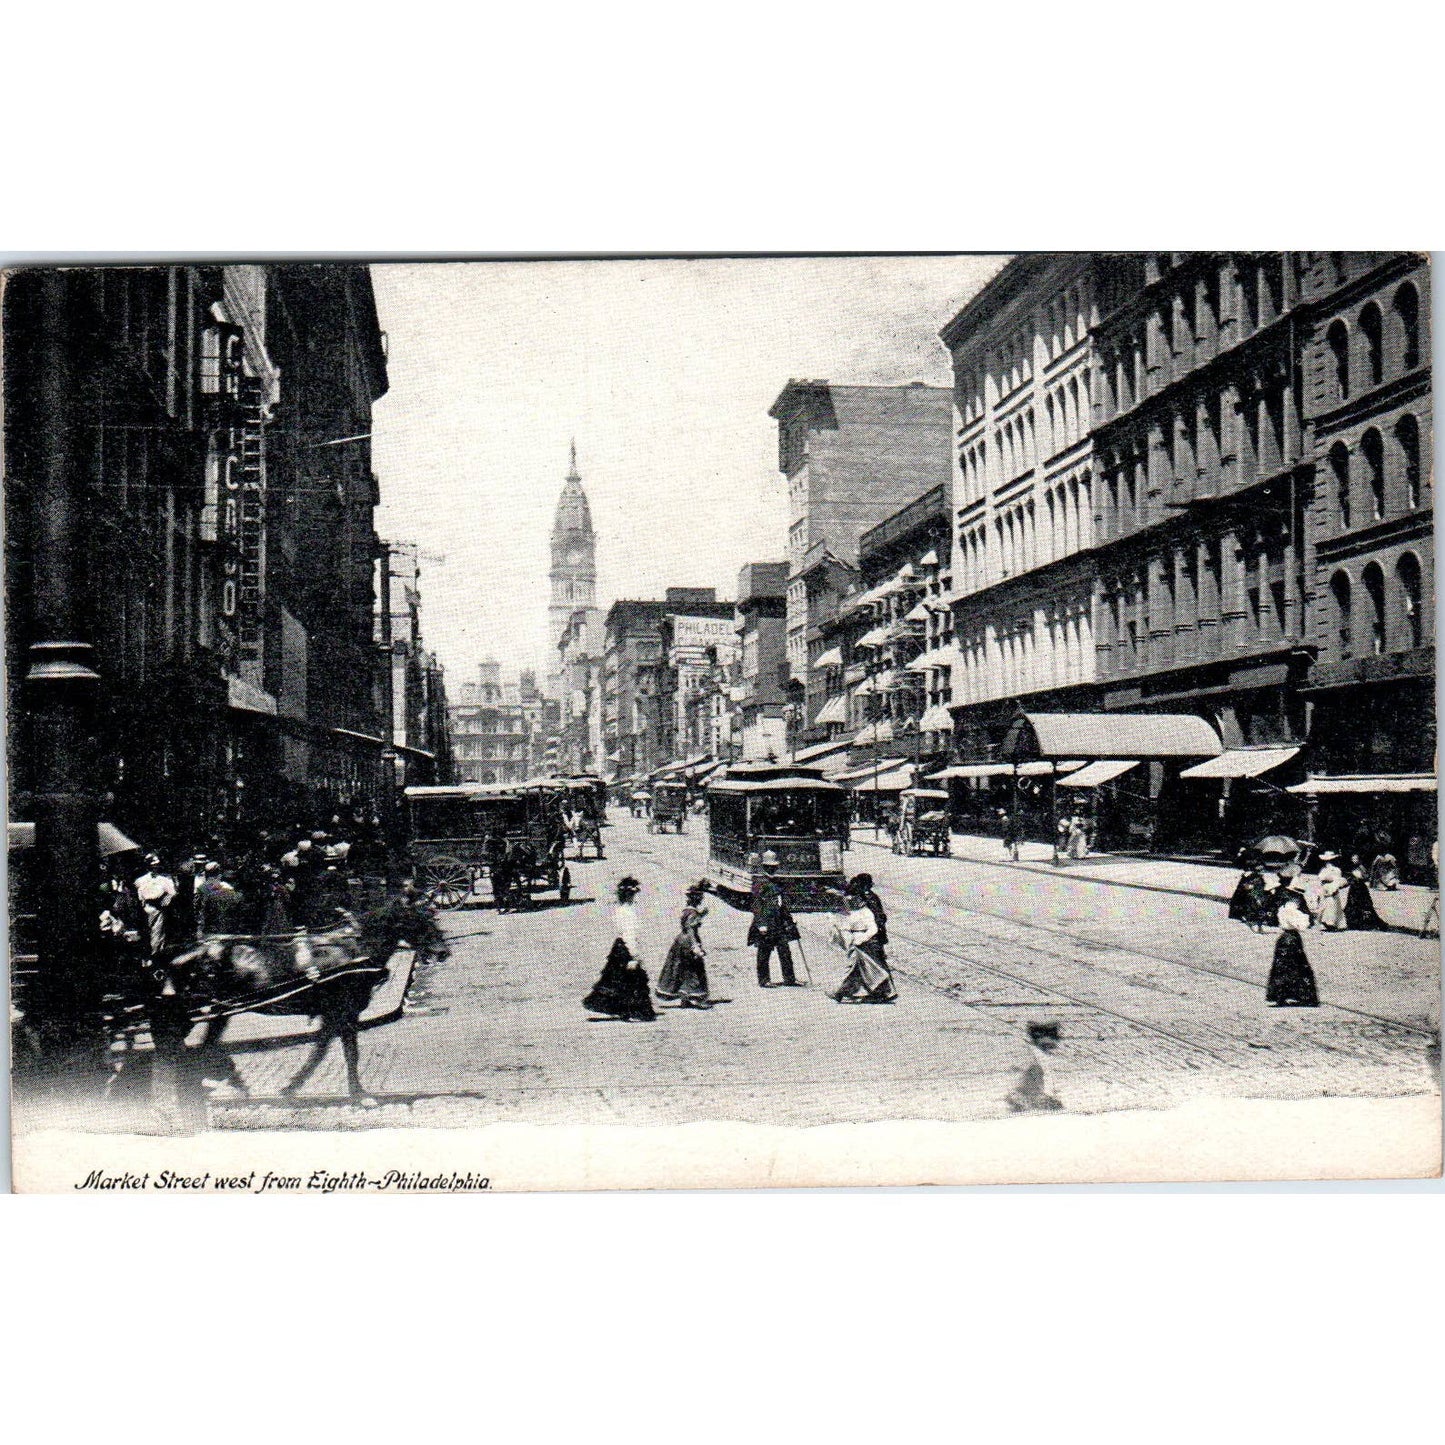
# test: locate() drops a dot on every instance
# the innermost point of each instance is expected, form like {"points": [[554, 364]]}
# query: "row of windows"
{"points": [[1378, 479], [1055, 328], [1030, 654], [1025, 538], [1379, 349], [1408, 613]]}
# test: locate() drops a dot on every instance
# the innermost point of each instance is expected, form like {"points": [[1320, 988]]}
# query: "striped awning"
{"points": [[835, 710], [879, 732], [936, 719], [833, 657], [876, 637]]}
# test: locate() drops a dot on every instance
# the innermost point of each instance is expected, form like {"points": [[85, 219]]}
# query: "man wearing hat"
{"points": [[773, 928]]}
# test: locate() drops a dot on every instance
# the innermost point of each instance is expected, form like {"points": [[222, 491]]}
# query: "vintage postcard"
{"points": [[721, 722]]}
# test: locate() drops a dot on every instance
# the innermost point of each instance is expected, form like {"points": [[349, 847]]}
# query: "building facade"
{"points": [[851, 455], [497, 728], [631, 660], [1022, 497], [760, 696], [222, 422], [582, 660]]}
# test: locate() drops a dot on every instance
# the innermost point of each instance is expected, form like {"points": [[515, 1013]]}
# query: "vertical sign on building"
{"points": [[249, 608]]}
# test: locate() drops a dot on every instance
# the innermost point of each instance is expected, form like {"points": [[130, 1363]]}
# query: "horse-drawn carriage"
{"points": [[510, 834], [669, 807], [584, 807], [923, 823]]}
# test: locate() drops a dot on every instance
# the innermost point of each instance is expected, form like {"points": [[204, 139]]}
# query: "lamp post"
{"points": [[61, 685]]}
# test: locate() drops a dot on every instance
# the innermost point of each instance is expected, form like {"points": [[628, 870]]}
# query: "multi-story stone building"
{"points": [[580, 652], [1022, 496], [412, 679], [760, 696], [221, 420], [852, 455], [632, 654], [493, 731], [1370, 693], [699, 654]]}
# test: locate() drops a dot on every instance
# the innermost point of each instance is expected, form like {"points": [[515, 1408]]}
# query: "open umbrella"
{"points": [[1276, 846]]}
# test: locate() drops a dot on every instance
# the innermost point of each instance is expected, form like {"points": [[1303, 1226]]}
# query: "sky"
{"points": [[663, 371]]}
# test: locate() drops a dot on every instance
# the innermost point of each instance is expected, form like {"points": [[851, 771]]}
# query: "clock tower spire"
{"points": [[574, 566]]}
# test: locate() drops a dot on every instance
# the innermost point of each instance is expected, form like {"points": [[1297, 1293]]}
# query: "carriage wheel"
{"points": [[447, 881]]}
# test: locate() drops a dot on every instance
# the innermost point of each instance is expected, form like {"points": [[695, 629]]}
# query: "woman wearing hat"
{"points": [[1360, 913], [621, 992], [1334, 887], [868, 979], [684, 974], [1291, 979]]}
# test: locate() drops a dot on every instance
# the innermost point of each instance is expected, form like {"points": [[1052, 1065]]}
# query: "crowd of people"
{"points": [[1292, 896]]}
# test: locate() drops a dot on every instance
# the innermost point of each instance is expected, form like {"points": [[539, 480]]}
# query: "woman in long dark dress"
{"points": [[622, 991], [1250, 902], [684, 974], [1359, 905], [1291, 979]]}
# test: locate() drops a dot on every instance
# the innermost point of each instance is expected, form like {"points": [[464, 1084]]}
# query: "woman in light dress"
{"points": [[868, 979], [1334, 887]]}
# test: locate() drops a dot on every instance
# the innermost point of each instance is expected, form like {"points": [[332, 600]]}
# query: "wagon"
{"points": [[923, 823], [459, 835], [669, 808]]}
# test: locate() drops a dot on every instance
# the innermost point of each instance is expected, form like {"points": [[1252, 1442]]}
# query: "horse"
{"points": [[330, 976]]}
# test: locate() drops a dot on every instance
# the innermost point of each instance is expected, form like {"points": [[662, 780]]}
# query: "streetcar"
{"points": [[457, 835], [789, 811]]}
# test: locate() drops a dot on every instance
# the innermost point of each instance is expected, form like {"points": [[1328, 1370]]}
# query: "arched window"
{"points": [[1407, 308], [1373, 331], [1338, 340], [1373, 451], [1407, 570], [1374, 583], [1340, 466], [1340, 587], [1407, 433]]}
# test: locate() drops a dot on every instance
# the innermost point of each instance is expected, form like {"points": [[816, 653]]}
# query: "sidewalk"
{"points": [[1403, 908]]}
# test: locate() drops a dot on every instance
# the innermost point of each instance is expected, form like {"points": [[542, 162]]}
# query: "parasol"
{"points": [[1275, 845]]}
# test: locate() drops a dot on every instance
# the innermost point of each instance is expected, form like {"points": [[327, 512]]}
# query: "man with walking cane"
{"points": [[773, 928]]}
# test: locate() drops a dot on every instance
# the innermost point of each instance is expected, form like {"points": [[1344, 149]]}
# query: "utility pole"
{"points": [[61, 686]]}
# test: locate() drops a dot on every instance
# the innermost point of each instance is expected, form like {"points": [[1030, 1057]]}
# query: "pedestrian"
{"points": [[868, 979], [684, 974], [1291, 981], [773, 929], [1033, 1093], [156, 890], [621, 992], [1078, 837], [1251, 902], [1360, 914], [1333, 888], [216, 902], [1008, 826]]}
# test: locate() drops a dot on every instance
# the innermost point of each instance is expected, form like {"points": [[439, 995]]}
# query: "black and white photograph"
{"points": [[721, 721]]}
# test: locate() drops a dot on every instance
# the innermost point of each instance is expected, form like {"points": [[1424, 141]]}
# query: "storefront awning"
{"points": [[890, 780], [972, 770], [876, 637], [929, 559], [1096, 773], [818, 750], [1112, 735], [1368, 783], [920, 613], [1241, 763], [936, 719], [832, 657], [856, 777], [835, 710], [881, 732]]}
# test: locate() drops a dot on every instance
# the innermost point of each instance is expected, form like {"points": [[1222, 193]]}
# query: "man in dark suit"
{"points": [[773, 928]]}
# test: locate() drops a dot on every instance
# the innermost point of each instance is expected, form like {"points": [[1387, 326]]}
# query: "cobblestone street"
{"points": [[1159, 998]]}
